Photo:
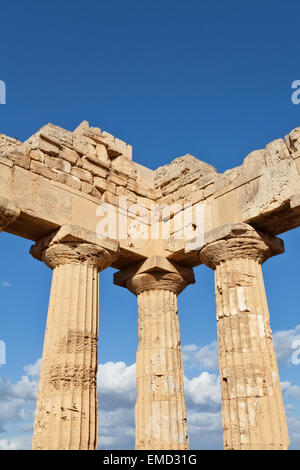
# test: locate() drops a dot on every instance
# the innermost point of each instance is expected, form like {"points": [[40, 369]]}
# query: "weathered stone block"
{"points": [[7, 144], [38, 155], [58, 164], [83, 175], [117, 180], [121, 191], [104, 185], [95, 170], [79, 146], [48, 147], [42, 169], [70, 155], [87, 188], [19, 159], [73, 182]]}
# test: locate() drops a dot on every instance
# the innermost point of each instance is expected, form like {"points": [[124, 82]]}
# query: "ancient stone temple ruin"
{"points": [[86, 206]]}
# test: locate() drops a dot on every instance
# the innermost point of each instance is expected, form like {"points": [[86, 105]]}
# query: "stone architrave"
{"points": [[160, 412], [252, 405], [66, 413], [8, 212]]}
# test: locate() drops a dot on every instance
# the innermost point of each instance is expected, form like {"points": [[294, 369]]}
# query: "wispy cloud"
{"points": [[202, 357], [5, 284], [289, 390], [283, 341]]}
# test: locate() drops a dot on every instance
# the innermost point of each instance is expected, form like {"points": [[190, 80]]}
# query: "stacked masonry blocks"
{"points": [[7, 144], [86, 160], [99, 165], [89, 161]]}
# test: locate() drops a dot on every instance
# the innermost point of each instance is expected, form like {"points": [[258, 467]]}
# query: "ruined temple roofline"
{"points": [[57, 175], [173, 179]]}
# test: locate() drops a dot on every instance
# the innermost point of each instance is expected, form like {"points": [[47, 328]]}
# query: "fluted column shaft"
{"points": [[66, 412], [160, 411], [252, 405], [66, 416]]}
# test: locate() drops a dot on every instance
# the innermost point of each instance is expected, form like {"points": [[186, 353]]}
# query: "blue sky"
{"points": [[208, 78]]}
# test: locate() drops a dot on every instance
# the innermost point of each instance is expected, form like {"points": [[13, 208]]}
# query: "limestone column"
{"points": [[160, 412], [252, 404], [66, 413]]}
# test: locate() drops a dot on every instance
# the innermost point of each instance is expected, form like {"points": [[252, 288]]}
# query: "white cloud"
{"points": [[12, 410], [116, 428], [17, 403], [203, 391], [294, 431], [288, 407], [205, 357], [106, 442], [116, 377], [25, 388], [5, 284], [34, 369], [116, 385], [283, 341], [290, 391], [16, 443], [206, 421], [205, 430], [117, 396]]}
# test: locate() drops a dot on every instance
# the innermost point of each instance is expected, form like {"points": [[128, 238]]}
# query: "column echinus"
{"points": [[252, 405], [160, 412], [66, 412]]}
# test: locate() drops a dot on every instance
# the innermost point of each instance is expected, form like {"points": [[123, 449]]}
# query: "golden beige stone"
{"points": [[160, 411], [252, 405], [51, 188], [66, 413]]}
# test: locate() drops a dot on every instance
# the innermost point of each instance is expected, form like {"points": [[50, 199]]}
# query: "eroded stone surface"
{"points": [[160, 412], [252, 405], [51, 187], [66, 414], [8, 212]]}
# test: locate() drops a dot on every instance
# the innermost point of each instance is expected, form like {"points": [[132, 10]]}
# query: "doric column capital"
{"points": [[72, 244], [8, 212], [155, 273], [156, 280], [238, 240]]}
